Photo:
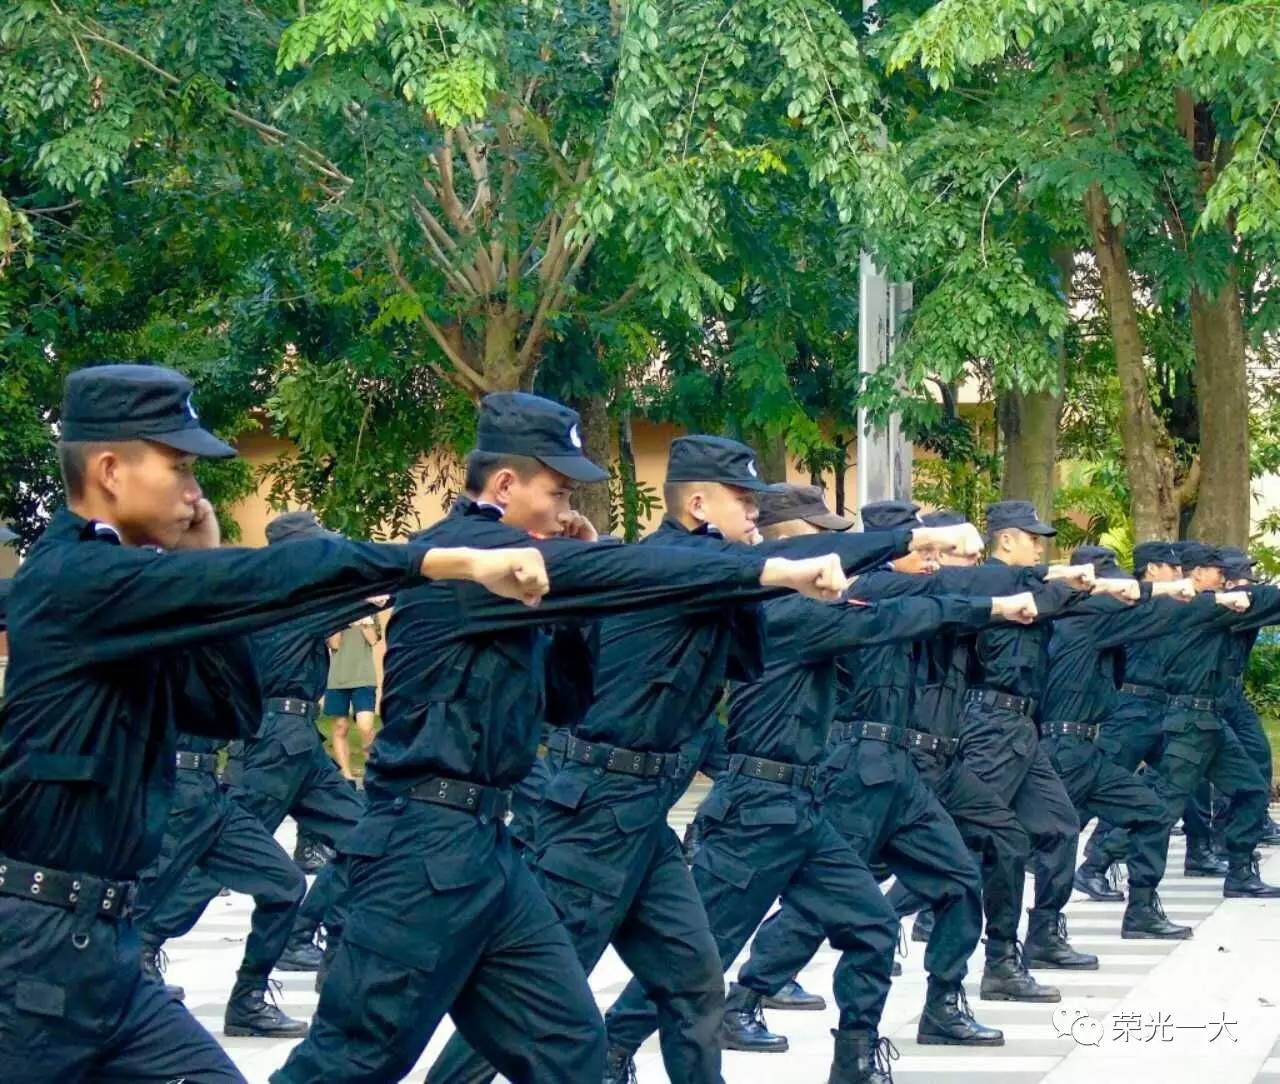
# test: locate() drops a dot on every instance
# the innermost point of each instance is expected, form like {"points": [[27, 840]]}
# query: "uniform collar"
{"points": [[466, 506], [670, 523], [68, 526]]}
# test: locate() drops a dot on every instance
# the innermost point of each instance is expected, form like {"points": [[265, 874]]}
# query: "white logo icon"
{"points": [[192, 410], [575, 438], [751, 468]]}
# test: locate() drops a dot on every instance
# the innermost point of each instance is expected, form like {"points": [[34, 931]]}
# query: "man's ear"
{"points": [[695, 504], [102, 469]]}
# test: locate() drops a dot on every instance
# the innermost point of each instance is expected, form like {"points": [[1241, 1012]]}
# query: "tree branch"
{"points": [[465, 377]]}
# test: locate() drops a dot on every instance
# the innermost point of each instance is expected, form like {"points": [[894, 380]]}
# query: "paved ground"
{"points": [[1204, 1009]]}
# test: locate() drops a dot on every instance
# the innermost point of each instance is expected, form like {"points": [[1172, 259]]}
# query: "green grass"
{"points": [[325, 723], [1271, 724]]}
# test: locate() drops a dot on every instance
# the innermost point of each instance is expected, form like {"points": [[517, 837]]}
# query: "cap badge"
{"points": [[751, 468], [191, 410], [575, 438]]}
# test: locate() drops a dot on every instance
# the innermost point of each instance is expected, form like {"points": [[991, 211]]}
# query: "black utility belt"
{"points": [[1195, 703], [287, 705], [197, 762], [613, 758], [1144, 692], [990, 698], [66, 890], [1062, 728], [902, 737], [774, 771], [492, 803]]}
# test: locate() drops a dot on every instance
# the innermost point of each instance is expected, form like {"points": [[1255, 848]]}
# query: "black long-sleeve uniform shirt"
{"points": [[101, 673], [786, 713], [1085, 660], [659, 675], [464, 691]]}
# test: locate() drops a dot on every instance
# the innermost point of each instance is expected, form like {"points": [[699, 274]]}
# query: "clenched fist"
{"points": [[1020, 608], [820, 578], [519, 574]]}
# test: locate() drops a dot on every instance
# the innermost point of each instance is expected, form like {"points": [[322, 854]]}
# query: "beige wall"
{"points": [[651, 441]]}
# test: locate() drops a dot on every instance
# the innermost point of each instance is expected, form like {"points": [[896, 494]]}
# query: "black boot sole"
{"points": [[290, 965], [1146, 935], [747, 1048], [1203, 871], [938, 1040], [1056, 996], [795, 1006], [1034, 964], [1237, 894], [1098, 897], [234, 1031]]}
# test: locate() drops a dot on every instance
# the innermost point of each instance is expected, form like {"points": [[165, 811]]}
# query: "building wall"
{"points": [[650, 441]]}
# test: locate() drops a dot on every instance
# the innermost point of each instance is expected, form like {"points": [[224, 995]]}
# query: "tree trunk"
{"points": [[1150, 466], [593, 500], [1222, 400], [773, 457], [1029, 425], [501, 365], [1222, 379]]}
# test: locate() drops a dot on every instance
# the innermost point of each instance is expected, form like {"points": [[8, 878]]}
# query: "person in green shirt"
{"points": [[352, 691]]}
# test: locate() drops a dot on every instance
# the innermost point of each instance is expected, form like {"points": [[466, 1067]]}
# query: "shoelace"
{"points": [[272, 995], [903, 950], [1113, 875], [1018, 965], [1062, 926], [962, 1003], [882, 1056], [161, 959]]}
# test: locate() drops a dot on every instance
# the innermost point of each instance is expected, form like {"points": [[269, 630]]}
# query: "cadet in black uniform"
{"points": [[1198, 745], [1080, 695], [116, 641], [872, 791], [608, 861], [998, 734], [284, 771], [443, 913], [764, 832], [1133, 734]]}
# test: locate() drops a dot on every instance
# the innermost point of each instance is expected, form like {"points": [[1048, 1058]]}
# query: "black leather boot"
{"points": [[154, 962], [1270, 834], [1144, 919], [301, 954], [1047, 944], [1244, 881], [743, 1026], [310, 854], [1093, 881], [896, 970], [861, 1057], [795, 998], [1202, 862], [922, 928], [250, 1014], [619, 1067], [948, 1021], [1005, 978]]}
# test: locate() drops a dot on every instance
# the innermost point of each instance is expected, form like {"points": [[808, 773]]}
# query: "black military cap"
{"points": [[1198, 555], [1019, 514], [6, 535], [1237, 564], [943, 517], [1155, 553], [781, 503], [136, 402], [889, 515], [515, 423], [713, 459], [1103, 559], [295, 526]]}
